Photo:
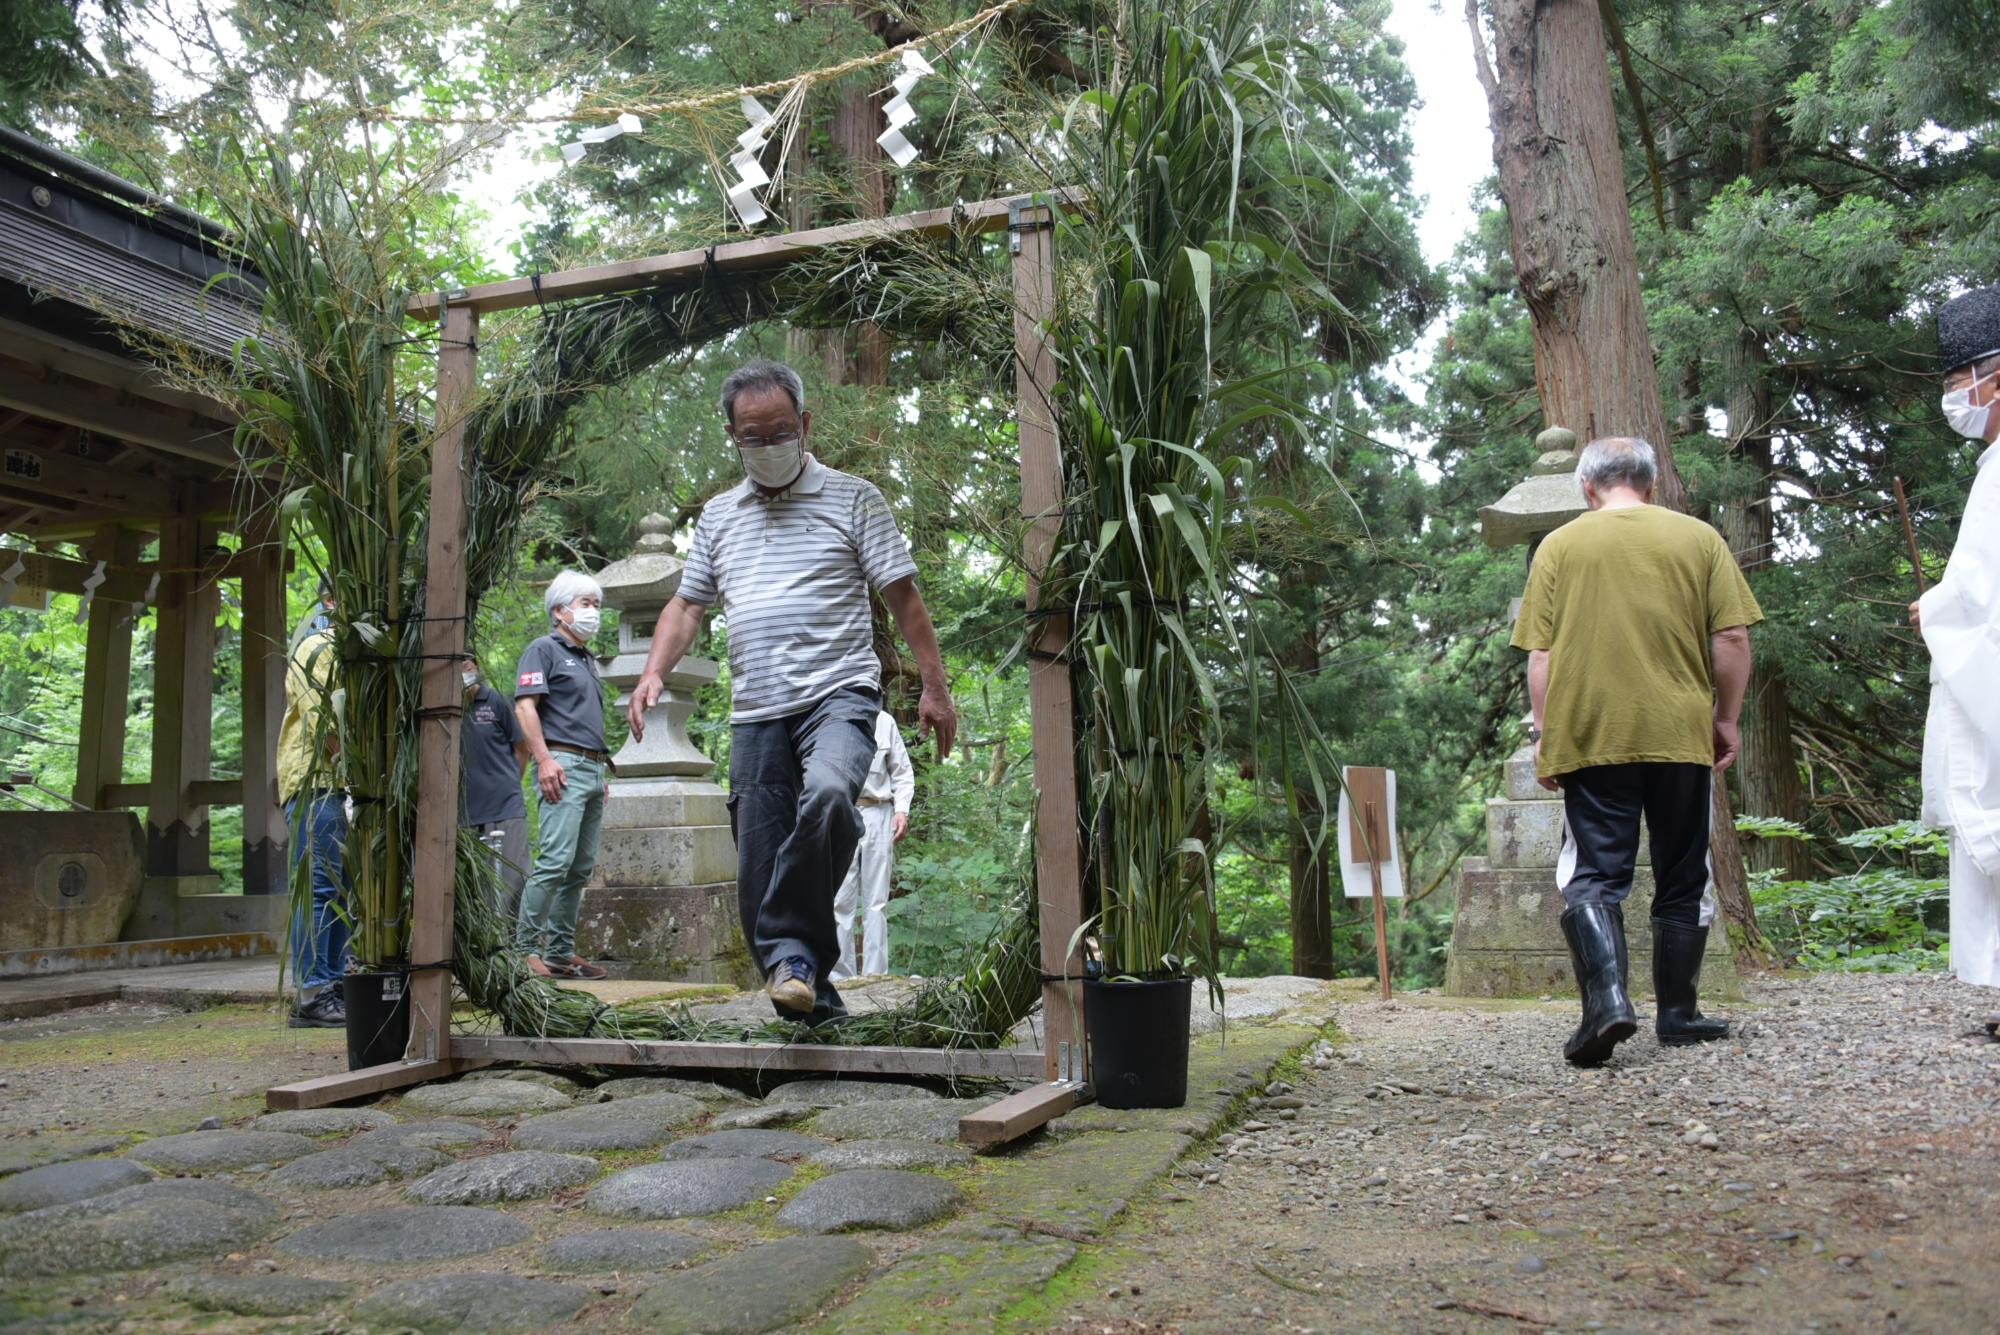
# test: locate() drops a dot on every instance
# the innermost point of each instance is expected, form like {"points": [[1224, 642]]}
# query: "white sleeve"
{"points": [[902, 774]]}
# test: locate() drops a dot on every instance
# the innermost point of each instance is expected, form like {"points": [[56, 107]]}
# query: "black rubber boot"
{"points": [[1624, 961], [1677, 951], [1594, 940]]}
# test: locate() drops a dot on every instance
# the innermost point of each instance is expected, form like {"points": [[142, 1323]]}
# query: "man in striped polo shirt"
{"points": [[791, 553]]}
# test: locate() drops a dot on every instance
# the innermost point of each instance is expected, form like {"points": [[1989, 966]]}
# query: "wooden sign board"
{"points": [[1368, 865], [1366, 785]]}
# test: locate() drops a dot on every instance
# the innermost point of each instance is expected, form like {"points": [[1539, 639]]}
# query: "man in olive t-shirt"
{"points": [[1637, 625]]}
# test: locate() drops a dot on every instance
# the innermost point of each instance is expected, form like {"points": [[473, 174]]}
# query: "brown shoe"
{"points": [[790, 984], [539, 969], [579, 967]]}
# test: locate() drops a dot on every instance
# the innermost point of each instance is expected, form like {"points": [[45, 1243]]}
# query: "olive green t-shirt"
{"points": [[1625, 601]]}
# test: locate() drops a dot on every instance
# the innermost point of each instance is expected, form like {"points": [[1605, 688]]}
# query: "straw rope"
{"points": [[703, 101]]}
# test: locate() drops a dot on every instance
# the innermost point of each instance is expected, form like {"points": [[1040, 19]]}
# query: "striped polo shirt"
{"points": [[792, 574]]}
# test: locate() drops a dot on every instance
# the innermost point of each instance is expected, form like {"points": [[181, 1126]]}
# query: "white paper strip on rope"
{"points": [[574, 150], [750, 174], [89, 592], [8, 577], [899, 113]]}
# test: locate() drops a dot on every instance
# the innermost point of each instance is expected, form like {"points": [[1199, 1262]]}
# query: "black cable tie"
{"points": [[426, 968], [1042, 656], [440, 711]]}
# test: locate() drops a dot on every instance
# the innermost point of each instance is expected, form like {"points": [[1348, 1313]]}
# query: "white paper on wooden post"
{"points": [[1354, 877]]}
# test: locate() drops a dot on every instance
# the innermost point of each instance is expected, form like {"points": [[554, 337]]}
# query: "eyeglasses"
{"points": [[765, 442]]}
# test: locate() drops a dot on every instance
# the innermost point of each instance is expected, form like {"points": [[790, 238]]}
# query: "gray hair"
{"points": [[1617, 461], [567, 587], [759, 376]]}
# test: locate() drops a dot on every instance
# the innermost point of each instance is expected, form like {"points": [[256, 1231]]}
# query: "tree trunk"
{"points": [[1555, 142], [1767, 767], [1312, 903]]}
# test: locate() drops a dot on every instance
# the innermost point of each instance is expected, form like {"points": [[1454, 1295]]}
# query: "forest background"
{"points": [[1807, 178]]}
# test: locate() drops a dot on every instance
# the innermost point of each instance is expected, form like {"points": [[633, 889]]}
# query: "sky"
{"points": [[1454, 149]]}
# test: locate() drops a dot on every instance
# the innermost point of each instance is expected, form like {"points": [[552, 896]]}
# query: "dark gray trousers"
{"points": [[793, 782]]}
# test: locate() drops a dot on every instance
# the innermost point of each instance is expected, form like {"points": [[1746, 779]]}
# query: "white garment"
{"points": [[1975, 921], [891, 778], [867, 884], [1961, 626]]}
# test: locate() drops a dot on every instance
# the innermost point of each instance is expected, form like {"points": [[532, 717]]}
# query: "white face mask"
{"points": [[470, 678], [774, 467], [1965, 419], [584, 620]]}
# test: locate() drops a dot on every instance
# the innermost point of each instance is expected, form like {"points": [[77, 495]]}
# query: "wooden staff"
{"points": [[1381, 913], [1909, 534]]}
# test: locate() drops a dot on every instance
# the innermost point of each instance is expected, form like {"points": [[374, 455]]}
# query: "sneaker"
{"points": [[579, 967], [791, 984], [324, 1011]]}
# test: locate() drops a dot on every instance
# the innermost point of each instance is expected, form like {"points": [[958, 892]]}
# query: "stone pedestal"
{"points": [[662, 902], [1506, 938]]}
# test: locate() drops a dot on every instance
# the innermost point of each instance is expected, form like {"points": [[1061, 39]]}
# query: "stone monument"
{"points": [[1506, 937], [662, 902]]}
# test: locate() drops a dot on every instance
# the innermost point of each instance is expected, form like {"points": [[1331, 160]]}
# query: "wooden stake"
{"points": [[1374, 851], [1058, 853], [435, 856], [1910, 535]]}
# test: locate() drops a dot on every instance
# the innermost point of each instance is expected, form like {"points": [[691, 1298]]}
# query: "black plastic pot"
{"points": [[1138, 1041], [378, 1018]]}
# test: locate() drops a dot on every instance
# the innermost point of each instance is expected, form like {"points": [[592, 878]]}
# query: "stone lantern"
{"points": [[662, 901], [1506, 937]]}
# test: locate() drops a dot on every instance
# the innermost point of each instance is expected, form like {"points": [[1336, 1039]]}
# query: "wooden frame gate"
{"points": [[434, 1050]]}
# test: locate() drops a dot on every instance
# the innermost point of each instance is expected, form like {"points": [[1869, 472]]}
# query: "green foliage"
{"points": [[1882, 917]]}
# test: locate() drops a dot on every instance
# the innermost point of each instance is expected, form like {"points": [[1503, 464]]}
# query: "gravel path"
{"points": [[1834, 1166]]}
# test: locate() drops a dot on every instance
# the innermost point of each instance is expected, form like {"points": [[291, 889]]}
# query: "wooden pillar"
{"points": [[183, 696], [434, 858], [266, 838], [1058, 849], [107, 679]]}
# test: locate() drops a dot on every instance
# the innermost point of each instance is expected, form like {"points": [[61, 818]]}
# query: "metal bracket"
{"points": [[1069, 1065], [1045, 219]]}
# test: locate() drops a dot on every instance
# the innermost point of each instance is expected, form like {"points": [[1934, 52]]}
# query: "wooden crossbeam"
{"points": [[43, 349], [827, 1058], [51, 478], [83, 403], [761, 252]]}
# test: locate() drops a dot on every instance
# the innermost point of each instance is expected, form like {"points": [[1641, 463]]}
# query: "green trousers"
{"points": [[564, 860]]}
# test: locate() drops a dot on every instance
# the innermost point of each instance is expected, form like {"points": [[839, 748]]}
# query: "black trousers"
{"points": [[793, 782], [1602, 805]]}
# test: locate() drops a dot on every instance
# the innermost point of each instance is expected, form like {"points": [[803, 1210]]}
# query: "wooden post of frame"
{"points": [[1058, 852], [266, 836], [107, 679], [434, 861]]}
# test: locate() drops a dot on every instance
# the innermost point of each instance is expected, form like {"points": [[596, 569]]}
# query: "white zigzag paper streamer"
{"points": [[574, 150], [746, 161], [89, 592], [9, 576], [899, 113]]}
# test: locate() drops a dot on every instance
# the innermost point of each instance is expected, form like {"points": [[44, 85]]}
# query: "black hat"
{"points": [[1969, 328]]}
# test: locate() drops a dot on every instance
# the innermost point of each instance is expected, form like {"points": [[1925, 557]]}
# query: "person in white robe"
{"points": [[885, 817], [1960, 620]]}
